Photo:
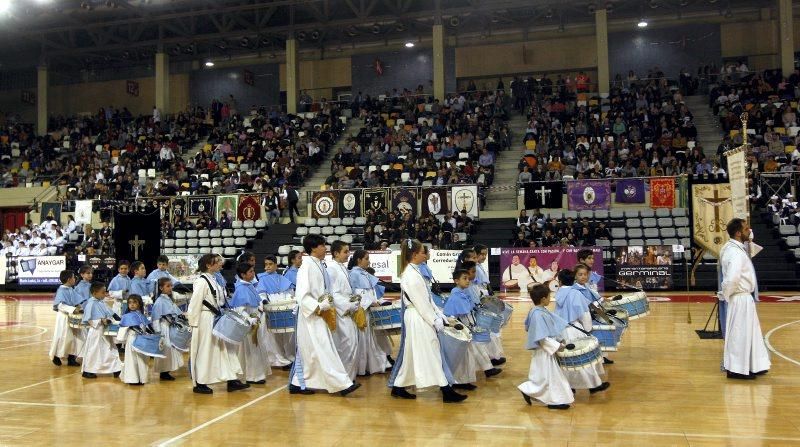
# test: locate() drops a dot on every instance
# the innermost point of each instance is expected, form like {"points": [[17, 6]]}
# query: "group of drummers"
{"points": [[328, 323]]}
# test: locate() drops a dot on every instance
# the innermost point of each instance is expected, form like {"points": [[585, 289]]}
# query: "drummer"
{"points": [[164, 311], [573, 307], [586, 257], [482, 277], [247, 303], [495, 346], [346, 334], [374, 347], [280, 348]]}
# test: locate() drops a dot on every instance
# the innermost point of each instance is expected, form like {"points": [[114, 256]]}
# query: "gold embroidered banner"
{"points": [[737, 176], [712, 210]]}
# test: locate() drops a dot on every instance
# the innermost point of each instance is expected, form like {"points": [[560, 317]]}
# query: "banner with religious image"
{"points": [[544, 195], [662, 192], [50, 211], [630, 190], [711, 211], [522, 266], [198, 205], [588, 195], [737, 177], [324, 204], [465, 198], [228, 204], [375, 198], [83, 212], [178, 208], [434, 201], [349, 203], [137, 236], [404, 200], [249, 207]]}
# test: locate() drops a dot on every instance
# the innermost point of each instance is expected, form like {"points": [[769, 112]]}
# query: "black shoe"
{"points": [[294, 389], [603, 386], [88, 375], [287, 367], [733, 375], [136, 384], [573, 390], [498, 362], [526, 397], [492, 372], [760, 373], [256, 382], [166, 376], [56, 361], [202, 389], [72, 361], [116, 374], [607, 361], [402, 393], [121, 349], [235, 385], [390, 360], [558, 407], [465, 386], [450, 396], [352, 388], [366, 374]]}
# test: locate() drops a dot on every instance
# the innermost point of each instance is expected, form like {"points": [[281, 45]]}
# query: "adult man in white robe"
{"points": [[516, 272], [317, 364], [536, 273], [346, 335], [745, 353]]}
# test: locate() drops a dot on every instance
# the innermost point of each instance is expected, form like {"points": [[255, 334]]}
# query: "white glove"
{"points": [[439, 313], [720, 296], [324, 305], [252, 321], [438, 324], [354, 307]]}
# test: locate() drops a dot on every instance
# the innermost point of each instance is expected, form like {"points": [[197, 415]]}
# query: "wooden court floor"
{"points": [[666, 389]]}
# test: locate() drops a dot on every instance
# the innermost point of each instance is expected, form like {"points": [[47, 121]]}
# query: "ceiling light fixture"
{"points": [[209, 63], [642, 23], [409, 44]]}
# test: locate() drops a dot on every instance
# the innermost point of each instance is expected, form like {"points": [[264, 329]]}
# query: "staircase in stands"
{"points": [[502, 196], [709, 134]]}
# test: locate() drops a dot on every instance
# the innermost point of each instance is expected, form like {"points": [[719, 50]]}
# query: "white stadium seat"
{"points": [[238, 232], [260, 223], [250, 232], [236, 224], [203, 233], [191, 233], [248, 224], [215, 233], [227, 232]]}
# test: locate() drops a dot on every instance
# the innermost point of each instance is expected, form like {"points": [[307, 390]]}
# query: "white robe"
{"points": [[371, 355], [251, 356], [546, 380], [278, 347], [66, 340], [134, 369], [317, 365], [346, 335], [173, 358], [422, 358], [584, 378], [100, 355], [520, 273], [212, 360]]}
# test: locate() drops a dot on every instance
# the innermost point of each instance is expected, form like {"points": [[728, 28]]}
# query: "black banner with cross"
{"points": [[137, 236], [543, 195]]}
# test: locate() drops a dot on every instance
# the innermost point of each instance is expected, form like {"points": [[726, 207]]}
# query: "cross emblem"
{"points": [[715, 224], [136, 243], [464, 196], [543, 193]]}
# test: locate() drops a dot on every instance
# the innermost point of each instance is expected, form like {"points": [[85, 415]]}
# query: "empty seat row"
{"points": [[205, 242], [227, 252], [335, 221], [618, 214], [227, 232]]}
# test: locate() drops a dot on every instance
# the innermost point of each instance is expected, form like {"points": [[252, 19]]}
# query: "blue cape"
{"points": [[475, 293], [570, 303], [82, 289], [164, 306], [119, 282], [244, 295], [588, 294], [459, 303], [96, 310], [291, 274], [361, 279], [133, 319], [221, 280], [66, 295], [540, 323], [142, 287], [156, 274], [481, 277], [426, 271], [272, 283]]}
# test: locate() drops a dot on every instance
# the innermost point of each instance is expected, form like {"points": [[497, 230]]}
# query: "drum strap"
{"points": [[580, 329], [214, 309]]}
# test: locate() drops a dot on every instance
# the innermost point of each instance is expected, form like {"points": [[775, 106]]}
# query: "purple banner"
{"points": [[589, 195], [522, 266], [630, 190]]}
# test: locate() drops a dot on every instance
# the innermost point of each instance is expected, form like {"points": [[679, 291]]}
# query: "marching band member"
{"points": [[295, 261], [135, 369], [574, 308], [86, 273], [162, 262], [546, 380], [67, 342], [346, 335], [279, 348], [372, 358], [495, 346], [100, 355], [590, 290], [482, 277], [317, 364], [120, 287], [140, 285], [247, 303], [165, 310], [419, 362], [212, 360]]}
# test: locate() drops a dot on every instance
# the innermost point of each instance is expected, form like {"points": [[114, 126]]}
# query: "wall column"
{"points": [[601, 33], [41, 99], [292, 76], [438, 62], [162, 83], [786, 36]]}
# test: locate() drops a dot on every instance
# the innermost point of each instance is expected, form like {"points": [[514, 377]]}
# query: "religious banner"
{"points": [[662, 192], [465, 198], [630, 190], [588, 195], [737, 177], [544, 195], [249, 207], [137, 236], [324, 204], [178, 208], [349, 203], [50, 211], [228, 205], [644, 267], [711, 211], [83, 212], [404, 200], [199, 205], [375, 198], [434, 201], [165, 207], [522, 266]]}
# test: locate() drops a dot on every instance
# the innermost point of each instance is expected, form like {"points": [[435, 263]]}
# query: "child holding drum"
{"points": [[100, 356], [165, 314], [279, 347], [135, 369], [546, 380], [67, 341], [247, 303]]}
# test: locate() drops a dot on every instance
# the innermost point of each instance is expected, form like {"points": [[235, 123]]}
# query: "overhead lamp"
{"points": [[209, 63], [409, 44], [315, 35], [642, 23]]}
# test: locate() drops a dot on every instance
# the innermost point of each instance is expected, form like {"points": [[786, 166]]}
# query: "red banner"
{"points": [[249, 208], [662, 193]]}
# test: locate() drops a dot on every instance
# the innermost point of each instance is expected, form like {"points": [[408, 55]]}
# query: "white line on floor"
{"points": [[38, 383], [44, 404], [43, 330], [24, 344], [220, 417], [771, 348], [640, 433]]}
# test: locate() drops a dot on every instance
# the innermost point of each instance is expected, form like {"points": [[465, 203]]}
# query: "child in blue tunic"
{"points": [[247, 303], [100, 355], [119, 288], [164, 312], [276, 288], [133, 323], [295, 261], [86, 273], [140, 285], [67, 341]]}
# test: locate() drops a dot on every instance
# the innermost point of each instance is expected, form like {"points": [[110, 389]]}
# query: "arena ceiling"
{"points": [[107, 33]]}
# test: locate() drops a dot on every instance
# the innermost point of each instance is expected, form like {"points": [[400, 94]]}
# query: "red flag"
{"points": [[662, 192], [378, 67], [249, 208]]}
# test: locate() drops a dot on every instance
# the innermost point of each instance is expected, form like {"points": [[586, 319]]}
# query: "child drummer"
{"points": [[546, 380]]}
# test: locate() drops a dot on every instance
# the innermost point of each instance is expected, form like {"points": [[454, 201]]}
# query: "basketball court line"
{"points": [[24, 344], [44, 404], [38, 383], [219, 418], [772, 348], [637, 433], [43, 331]]}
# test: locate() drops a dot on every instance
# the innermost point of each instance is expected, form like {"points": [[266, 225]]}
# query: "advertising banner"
{"points": [[522, 266], [644, 267], [40, 270]]}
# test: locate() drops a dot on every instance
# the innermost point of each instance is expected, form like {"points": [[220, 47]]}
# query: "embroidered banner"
{"points": [[249, 208], [404, 200], [465, 198], [737, 177], [349, 203], [712, 209], [325, 204], [588, 195], [198, 205], [83, 212], [630, 190], [434, 201], [51, 210], [376, 198], [662, 192], [227, 205]]}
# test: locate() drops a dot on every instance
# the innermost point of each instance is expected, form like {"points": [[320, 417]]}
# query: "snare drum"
{"points": [[386, 318], [231, 327], [111, 330], [454, 345], [506, 314], [585, 354], [75, 321], [608, 335], [480, 335], [151, 345], [511, 284], [180, 337], [280, 316], [635, 304], [493, 304], [488, 320]]}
